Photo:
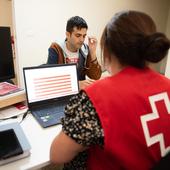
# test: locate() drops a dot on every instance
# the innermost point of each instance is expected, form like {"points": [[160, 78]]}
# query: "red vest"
{"points": [[133, 110]]}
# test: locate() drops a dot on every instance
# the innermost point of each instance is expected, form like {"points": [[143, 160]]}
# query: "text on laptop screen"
{"points": [[44, 83]]}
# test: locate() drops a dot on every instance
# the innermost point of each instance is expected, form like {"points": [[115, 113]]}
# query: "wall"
{"points": [[5, 13], [167, 71], [39, 22]]}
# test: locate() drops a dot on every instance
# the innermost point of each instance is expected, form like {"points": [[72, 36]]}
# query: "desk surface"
{"points": [[40, 140]]}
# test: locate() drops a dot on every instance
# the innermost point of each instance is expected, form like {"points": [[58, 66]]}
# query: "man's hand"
{"points": [[92, 42], [85, 83]]}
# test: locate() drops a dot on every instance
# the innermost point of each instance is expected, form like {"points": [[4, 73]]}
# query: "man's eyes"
{"points": [[84, 36]]}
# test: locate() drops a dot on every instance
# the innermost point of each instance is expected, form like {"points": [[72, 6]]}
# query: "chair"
{"points": [[163, 164]]}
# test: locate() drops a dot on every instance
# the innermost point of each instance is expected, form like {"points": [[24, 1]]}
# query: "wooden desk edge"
{"points": [[12, 100]]}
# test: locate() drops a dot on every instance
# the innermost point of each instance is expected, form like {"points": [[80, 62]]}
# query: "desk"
{"points": [[40, 140]]}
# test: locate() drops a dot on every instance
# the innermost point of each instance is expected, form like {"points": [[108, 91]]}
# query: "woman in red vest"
{"points": [[121, 121]]}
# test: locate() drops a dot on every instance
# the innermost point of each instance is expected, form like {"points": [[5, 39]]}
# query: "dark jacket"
{"points": [[85, 66]]}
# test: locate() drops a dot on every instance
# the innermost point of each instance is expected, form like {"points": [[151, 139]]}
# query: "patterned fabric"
{"points": [[82, 124]]}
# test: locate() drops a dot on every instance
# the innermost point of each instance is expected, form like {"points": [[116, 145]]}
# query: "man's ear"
{"points": [[67, 34]]}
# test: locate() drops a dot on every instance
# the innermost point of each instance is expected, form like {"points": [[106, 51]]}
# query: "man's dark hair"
{"points": [[77, 22]]}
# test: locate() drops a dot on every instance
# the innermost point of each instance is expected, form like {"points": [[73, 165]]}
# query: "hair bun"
{"points": [[156, 47]]}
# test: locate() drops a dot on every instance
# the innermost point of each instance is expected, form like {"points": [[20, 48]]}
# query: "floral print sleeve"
{"points": [[81, 121], [82, 124]]}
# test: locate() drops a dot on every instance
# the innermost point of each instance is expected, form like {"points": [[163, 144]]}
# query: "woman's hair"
{"points": [[131, 36]]}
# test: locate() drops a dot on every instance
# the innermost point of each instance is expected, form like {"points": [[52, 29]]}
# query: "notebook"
{"points": [[48, 89], [14, 144]]}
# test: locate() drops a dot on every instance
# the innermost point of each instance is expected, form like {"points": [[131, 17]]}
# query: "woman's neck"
{"points": [[115, 67]]}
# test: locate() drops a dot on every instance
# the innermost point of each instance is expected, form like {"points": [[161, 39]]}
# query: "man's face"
{"points": [[76, 39]]}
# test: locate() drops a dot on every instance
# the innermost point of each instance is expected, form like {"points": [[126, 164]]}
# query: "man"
{"points": [[74, 50]]}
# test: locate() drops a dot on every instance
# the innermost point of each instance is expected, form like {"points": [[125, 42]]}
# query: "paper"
{"points": [[13, 110]]}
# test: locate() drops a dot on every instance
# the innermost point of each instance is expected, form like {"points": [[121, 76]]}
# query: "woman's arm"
{"points": [[64, 149], [81, 128]]}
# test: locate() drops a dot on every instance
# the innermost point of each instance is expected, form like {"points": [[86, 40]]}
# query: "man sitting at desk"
{"points": [[74, 50]]}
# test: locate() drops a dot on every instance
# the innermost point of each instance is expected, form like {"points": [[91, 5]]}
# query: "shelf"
{"points": [[11, 99]]}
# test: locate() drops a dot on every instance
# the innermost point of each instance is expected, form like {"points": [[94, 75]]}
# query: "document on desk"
{"points": [[14, 144], [8, 88], [14, 110]]}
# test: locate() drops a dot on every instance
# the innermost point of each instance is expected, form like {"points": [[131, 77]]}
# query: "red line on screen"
{"points": [[42, 97], [58, 93], [44, 78], [50, 86], [50, 80], [52, 89]]}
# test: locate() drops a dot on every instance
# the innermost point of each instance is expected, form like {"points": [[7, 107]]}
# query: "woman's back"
{"points": [[131, 119]]}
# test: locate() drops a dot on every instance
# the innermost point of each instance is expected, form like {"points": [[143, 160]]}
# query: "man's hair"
{"points": [[77, 22]]}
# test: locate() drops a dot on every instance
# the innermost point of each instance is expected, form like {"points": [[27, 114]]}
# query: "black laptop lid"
{"points": [[50, 82]]}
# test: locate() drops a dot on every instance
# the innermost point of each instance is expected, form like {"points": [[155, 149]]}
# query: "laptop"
{"points": [[48, 90]]}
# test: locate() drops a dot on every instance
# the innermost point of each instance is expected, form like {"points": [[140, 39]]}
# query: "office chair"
{"points": [[163, 164]]}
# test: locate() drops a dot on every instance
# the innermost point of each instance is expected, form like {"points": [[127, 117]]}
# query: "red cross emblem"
{"points": [[160, 105]]}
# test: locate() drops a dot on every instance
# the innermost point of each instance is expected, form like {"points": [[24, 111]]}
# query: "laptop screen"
{"points": [[50, 81]]}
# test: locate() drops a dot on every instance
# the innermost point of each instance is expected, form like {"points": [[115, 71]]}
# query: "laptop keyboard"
{"points": [[50, 113]]}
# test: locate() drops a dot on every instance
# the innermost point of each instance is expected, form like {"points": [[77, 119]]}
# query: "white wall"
{"points": [[39, 22], [167, 71]]}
